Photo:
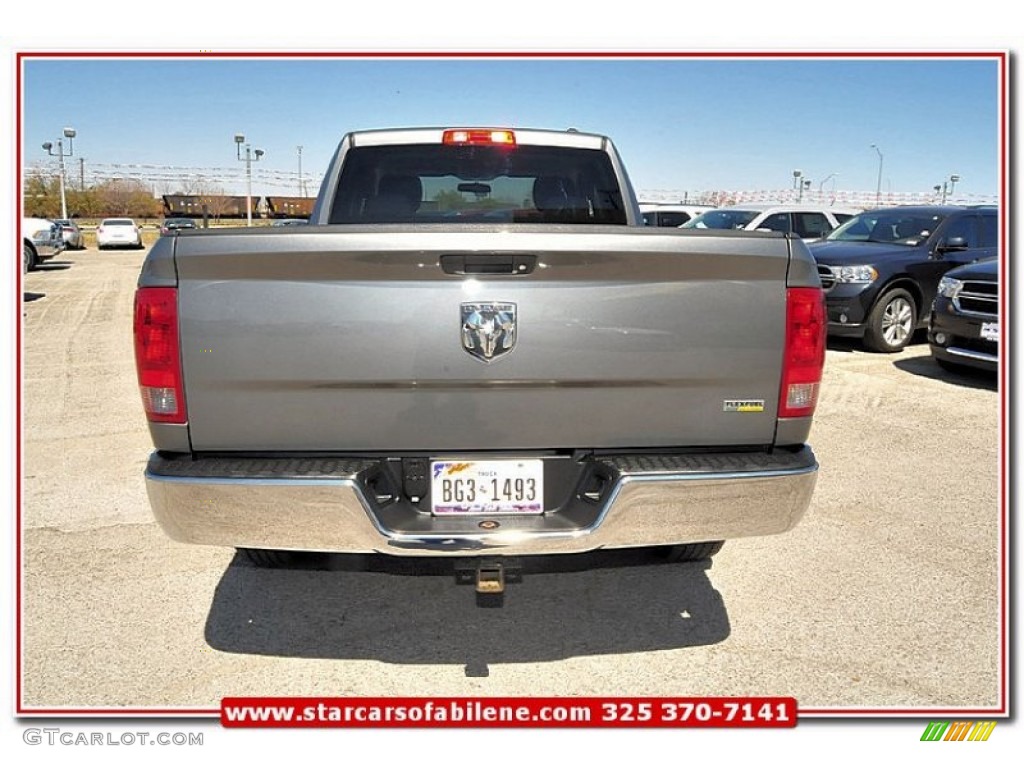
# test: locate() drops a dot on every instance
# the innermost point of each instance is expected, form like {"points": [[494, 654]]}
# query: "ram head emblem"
{"points": [[488, 329]]}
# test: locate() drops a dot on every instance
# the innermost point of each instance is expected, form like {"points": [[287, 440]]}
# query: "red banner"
{"points": [[508, 712]]}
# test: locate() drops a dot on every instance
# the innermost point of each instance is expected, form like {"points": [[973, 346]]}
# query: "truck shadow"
{"points": [[833, 344], [54, 266], [844, 344], [412, 612]]}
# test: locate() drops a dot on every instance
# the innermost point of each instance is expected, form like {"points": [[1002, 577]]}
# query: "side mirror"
{"points": [[952, 244]]}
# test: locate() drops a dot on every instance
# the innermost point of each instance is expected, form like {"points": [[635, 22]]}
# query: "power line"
{"points": [[182, 176]]}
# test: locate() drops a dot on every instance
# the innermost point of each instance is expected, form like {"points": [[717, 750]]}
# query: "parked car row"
{"points": [[890, 272], [42, 239], [110, 233], [882, 269]]}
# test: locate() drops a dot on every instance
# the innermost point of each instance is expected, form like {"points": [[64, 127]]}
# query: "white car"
{"points": [[118, 232], [669, 214], [809, 222]]}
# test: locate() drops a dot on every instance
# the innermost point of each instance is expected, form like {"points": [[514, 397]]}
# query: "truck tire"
{"points": [[690, 553], [28, 255], [892, 322]]}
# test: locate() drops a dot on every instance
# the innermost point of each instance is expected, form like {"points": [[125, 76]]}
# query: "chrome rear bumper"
{"points": [[327, 505]]}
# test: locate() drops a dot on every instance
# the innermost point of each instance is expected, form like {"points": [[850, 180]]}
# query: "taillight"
{"points": [[804, 355], [158, 354], [479, 136]]}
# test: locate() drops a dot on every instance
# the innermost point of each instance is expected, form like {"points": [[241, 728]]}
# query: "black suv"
{"points": [[881, 269], [964, 326], [173, 225]]}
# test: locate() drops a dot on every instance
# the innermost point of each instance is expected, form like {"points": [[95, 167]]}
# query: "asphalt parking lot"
{"points": [[885, 596]]}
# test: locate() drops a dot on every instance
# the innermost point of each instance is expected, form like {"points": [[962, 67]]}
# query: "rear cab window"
{"points": [[438, 183]]}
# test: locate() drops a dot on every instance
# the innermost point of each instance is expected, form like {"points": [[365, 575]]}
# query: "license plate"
{"points": [[990, 331], [506, 487]]}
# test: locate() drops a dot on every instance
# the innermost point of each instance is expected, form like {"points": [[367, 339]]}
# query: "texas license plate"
{"points": [[990, 331], [505, 487]]}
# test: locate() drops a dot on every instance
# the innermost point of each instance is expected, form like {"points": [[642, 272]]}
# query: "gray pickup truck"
{"points": [[476, 349]]}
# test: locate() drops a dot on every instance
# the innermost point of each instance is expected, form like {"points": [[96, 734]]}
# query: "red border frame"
{"points": [[1003, 84]]}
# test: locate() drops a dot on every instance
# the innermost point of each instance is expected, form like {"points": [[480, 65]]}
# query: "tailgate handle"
{"points": [[488, 263]]}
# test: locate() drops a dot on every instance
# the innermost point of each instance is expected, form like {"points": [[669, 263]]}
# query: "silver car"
{"points": [[73, 237]]}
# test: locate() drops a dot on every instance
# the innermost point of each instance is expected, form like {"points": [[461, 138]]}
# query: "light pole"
{"points": [[300, 169], [878, 189], [953, 179], [947, 187], [821, 186], [69, 134], [805, 184], [797, 174], [249, 152]]}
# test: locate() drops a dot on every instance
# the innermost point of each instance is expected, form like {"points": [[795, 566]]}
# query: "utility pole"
{"points": [[300, 170]]}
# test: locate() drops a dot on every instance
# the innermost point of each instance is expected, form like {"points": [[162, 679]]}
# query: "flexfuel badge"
{"points": [[743, 406]]}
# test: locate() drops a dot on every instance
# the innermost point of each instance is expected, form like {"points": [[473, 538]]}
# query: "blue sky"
{"points": [[680, 124]]}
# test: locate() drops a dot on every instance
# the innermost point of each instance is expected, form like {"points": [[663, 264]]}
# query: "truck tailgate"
{"points": [[350, 339]]}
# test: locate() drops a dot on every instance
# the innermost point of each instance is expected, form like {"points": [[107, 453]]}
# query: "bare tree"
{"points": [[125, 197], [41, 195]]}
